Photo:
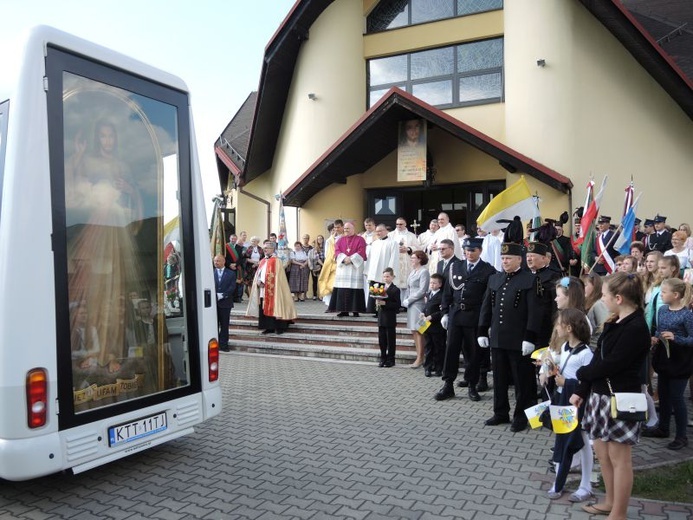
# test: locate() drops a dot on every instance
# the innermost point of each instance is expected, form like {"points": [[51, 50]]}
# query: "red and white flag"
{"points": [[591, 210]]}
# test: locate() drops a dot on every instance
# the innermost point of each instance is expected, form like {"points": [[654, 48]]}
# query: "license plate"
{"points": [[134, 430]]}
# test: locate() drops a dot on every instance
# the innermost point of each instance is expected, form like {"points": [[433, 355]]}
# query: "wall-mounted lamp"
{"points": [[541, 62], [312, 96]]}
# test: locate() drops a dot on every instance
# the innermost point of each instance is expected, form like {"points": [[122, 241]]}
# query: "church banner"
{"points": [[411, 151]]}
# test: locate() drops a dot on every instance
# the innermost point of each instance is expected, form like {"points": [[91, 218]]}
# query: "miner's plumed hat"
{"points": [[538, 248], [511, 248]]}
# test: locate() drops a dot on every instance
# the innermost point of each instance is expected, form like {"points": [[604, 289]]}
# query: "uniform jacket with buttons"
{"points": [[547, 295], [511, 309], [470, 293]]}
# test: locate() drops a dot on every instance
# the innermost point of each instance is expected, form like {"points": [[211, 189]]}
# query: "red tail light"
{"points": [[36, 397], [213, 359]]}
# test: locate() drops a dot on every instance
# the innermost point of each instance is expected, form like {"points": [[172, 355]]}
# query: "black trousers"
{"points": [[387, 342], [270, 322], [522, 369], [462, 339], [223, 316], [434, 351]]}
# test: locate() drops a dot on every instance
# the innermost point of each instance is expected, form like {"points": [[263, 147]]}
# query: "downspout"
{"points": [[263, 201]]}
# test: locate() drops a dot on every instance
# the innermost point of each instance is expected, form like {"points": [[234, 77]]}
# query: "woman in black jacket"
{"points": [[618, 360]]}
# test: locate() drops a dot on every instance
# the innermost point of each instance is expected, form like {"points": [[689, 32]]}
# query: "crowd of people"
{"points": [[620, 323]]}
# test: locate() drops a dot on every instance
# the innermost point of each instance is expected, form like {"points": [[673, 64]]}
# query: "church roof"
{"points": [[231, 147], [374, 136]]}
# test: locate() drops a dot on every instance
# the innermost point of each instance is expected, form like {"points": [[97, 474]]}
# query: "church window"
{"points": [[458, 75], [392, 14]]}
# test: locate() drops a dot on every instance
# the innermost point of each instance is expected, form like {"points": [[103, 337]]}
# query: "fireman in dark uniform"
{"points": [[512, 311], [462, 298], [660, 240]]}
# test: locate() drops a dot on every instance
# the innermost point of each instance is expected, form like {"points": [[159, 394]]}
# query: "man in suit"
{"points": [[236, 262], [387, 319], [435, 335], [462, 298], [225, 286], [511, 313], [660, 240], [446, 248]]}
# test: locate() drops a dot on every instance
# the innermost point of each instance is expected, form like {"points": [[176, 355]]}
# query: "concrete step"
{"points": [[321, 335], [357, 341], [317, 351], [341, 328]]}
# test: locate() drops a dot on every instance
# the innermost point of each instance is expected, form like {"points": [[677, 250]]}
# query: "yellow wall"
{"points": [[429, 35], [593, 110], [344, 201]]}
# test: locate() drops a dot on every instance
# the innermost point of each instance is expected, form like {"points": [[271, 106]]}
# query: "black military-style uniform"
{"points": [[444, 270], [659, 241], [462, 299], [548, 277], [512, 310]]}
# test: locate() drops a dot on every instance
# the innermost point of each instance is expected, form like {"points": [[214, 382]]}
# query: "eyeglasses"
{"points": [[401, 223]]}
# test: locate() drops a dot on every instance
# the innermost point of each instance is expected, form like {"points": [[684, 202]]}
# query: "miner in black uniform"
{"points": [[461, 305], [660, 240], [538, 262], [560, 248], [512, 311]]}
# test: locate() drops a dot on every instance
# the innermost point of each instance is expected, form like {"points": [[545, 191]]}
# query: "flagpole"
{"points": [[613, 237]]}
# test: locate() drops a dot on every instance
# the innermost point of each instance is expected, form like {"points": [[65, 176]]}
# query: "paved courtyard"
{"points": [[308, 439]]}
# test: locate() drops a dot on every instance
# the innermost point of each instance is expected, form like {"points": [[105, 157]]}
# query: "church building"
{"points": [[386, 108]]}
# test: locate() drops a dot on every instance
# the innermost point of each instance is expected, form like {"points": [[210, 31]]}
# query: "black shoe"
{"points": [[356, 315], [483, 384], [463, 383], [428, 372], [381, 363], [280, 331], [446, 392], [437, 373], [678, 443], [225, 349], [473, 394], [268, 331], [496, 420], [389, 364], [656, 432], [518, 425], [342, 314]]}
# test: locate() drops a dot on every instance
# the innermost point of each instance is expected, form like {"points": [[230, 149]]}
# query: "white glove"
{"points": [[220, 296], [405, 303], [482, 341], [444, 322], [527, 348]]}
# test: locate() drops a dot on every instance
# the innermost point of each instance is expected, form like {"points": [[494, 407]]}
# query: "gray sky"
{"points": [[215, 46]]}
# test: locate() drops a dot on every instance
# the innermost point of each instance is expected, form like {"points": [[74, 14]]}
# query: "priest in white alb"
{"points": [[446, 230], [384, 253], [408, 243]]}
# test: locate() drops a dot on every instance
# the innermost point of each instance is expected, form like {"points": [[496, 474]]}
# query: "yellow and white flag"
{"points": [[516, 200], [534, 412], [564, 419]]}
